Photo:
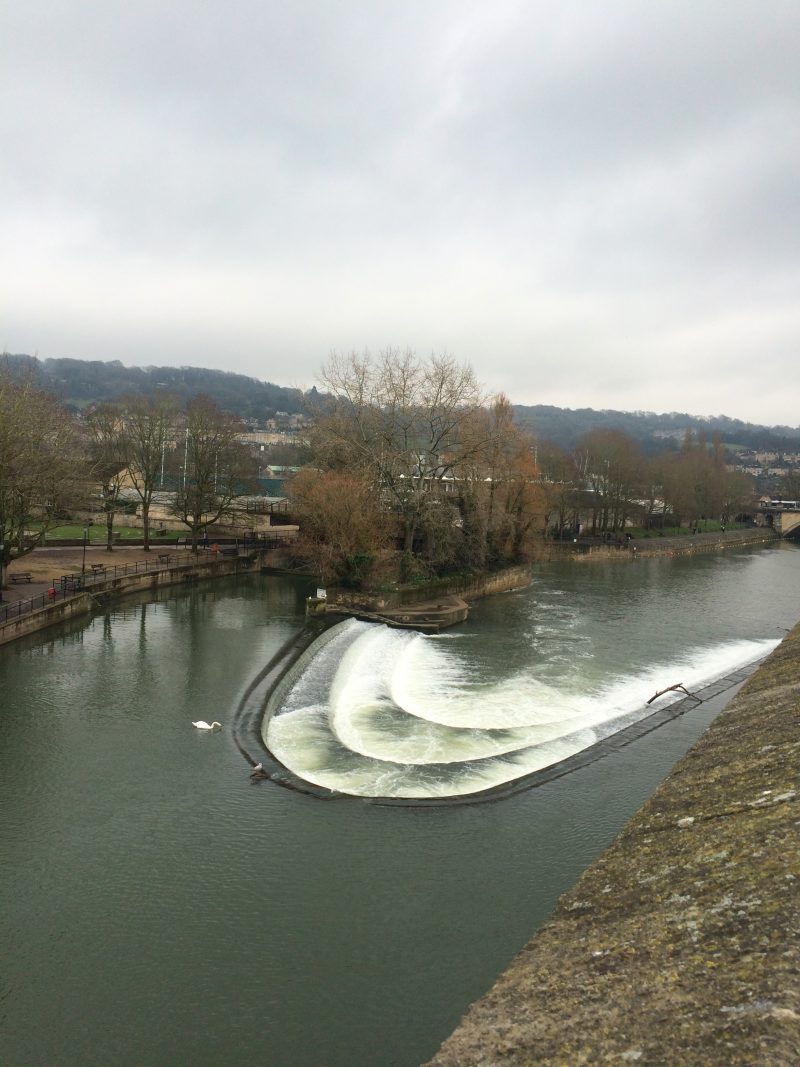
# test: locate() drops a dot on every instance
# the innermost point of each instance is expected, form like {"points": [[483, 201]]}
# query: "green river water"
{"points": [[159, 908]]}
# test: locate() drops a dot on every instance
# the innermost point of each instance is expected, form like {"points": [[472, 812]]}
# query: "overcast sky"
{"points": [[594, 203]]}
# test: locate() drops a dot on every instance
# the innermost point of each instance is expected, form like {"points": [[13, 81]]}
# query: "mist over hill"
{"points": [[80, 383]]}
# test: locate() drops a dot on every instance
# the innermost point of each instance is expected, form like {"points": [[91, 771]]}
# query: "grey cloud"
{"points": [[550, 191]]}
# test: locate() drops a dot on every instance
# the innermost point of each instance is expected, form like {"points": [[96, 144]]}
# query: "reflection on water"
{"points": [[158, 908]]}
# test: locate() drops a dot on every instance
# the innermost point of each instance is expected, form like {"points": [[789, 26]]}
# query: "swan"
{"points": [[201, 724]]}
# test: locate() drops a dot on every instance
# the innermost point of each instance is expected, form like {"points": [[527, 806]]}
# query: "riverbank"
{"points": [[442, 604], [60, 584], [645, 547], [428, 608], [680, 944], [413, 609]]}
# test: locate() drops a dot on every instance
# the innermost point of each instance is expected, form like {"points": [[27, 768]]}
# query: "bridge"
{"points": [[783, 516], [787, 523]]}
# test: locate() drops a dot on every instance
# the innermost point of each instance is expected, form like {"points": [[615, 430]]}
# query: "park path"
{"points": [[46, 564]]}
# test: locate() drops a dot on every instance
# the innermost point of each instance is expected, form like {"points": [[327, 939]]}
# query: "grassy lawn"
{"points": [[97, 533]]}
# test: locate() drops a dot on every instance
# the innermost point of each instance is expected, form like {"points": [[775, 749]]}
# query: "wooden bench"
{"points": [[98, 568], [23, 576], [165, 557]]}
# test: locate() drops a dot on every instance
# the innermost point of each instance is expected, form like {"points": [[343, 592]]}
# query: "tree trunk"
{"points": [[408, 540], [146, 524], [109, 531]]}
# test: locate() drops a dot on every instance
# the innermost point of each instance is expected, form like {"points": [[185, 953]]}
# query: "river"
{"points": [[159, 908]]}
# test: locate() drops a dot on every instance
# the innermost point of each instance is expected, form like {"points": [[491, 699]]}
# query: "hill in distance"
{"points": [[80, 383], [653, 432]]}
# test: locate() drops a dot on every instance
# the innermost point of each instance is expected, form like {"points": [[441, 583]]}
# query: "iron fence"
{"points": [[67, 585]]}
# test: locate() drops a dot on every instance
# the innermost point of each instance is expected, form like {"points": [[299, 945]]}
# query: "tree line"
{"points": [[54, 463], [414, 471], [414, 465], [82, 383]]}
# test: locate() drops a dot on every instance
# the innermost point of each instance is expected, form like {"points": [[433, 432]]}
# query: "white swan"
{"points": [[201, 724]]}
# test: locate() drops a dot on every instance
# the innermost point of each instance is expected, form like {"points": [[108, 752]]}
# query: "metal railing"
{"points": [[24, 607], [68, 585]]}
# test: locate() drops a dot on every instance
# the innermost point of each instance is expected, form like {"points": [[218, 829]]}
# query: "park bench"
{"points": [[98, 568], [165, 557], [23, 576]]}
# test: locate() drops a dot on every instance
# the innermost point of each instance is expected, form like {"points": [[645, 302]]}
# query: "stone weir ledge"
{"points": [[681, 943], [428, 608]]}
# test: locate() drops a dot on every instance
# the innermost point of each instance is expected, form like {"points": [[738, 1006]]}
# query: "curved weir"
{"points": [[401, 717]]}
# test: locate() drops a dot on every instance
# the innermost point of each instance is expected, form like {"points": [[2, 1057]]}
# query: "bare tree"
{"points": [[110, 459], [559, 479], [218, 467], [148, 427], [498, 485], [343, 527], [397, 421], [737, 495], [613, 470], [42, 468], [790, 485], [698, 484]]}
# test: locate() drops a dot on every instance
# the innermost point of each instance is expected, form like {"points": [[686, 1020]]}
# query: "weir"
{"points": [[112, 801], [400, 717], [271, 692]]}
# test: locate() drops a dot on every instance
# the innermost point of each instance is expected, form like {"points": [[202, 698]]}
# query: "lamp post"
{"points": [[85, 538]]}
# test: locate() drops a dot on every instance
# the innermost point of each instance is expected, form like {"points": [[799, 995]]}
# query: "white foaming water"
{"points": [[390, 713]]}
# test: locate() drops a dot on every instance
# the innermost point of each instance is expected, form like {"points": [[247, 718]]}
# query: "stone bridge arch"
{"points": [[787, 523]]}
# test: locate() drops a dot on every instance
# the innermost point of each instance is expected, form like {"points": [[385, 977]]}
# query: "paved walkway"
{"points": [[47, 564]]}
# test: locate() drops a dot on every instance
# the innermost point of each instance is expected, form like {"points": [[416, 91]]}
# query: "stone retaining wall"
{"points": [[583, 552], [102, 592], [466, 588], [63, 611]]}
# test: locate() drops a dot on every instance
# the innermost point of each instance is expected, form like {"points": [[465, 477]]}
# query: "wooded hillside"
{"points": [[79, 383], [654, 433]]}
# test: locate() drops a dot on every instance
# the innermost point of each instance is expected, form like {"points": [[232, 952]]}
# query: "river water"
{"points": [[159, 908]]}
